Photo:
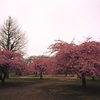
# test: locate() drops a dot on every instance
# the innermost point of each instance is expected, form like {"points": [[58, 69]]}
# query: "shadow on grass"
{"points": [[21, 82], [73, 91], [55, 89]]}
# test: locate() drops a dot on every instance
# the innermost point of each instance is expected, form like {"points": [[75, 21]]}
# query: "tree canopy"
{"points": [[10, 62], [82, 59], [12, 37]]}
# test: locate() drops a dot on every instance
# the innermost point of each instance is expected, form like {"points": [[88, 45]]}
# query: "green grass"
{"points": [[28, 87]]}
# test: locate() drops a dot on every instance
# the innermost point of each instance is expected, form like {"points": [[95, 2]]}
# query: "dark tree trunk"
{"points": [[35, 74], [93, 78], [83, 80], [2, 81], [41, 75], [20, 74], [2, 77], [66, 73], [7, 74]]}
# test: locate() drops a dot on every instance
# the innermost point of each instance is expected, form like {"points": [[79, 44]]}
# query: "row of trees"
{"points": [[82, 59]]}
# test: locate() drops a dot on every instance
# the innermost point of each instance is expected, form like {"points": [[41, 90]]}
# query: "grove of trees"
{"points": [[80, 59]]}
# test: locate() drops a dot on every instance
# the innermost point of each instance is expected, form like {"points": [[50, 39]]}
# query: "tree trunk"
{"points": [[20, 74], [66, 73], [2, 77], [2, 81], [93, 78], [41, 75], [83, 80], [35, 74], [7, 74]]}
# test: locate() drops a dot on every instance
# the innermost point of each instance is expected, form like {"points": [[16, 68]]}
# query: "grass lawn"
{"points": [[49, 88]]}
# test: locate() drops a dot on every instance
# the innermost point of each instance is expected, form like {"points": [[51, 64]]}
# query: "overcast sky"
{"points": [[48, 20]]}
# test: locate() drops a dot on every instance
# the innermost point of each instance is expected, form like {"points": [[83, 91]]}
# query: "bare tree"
{"points": [[11, 37]]}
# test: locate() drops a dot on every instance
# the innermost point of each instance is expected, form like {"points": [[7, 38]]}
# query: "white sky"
{"points": [[47, 20]]}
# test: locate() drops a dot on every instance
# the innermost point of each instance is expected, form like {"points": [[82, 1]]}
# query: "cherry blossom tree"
{"points": [[82, 59], [10, 62], [38, 65], [63, 52], [42, 65], [88, 59]]}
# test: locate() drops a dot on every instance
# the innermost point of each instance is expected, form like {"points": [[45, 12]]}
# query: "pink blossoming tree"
{"points": [[10, 62], [82, 59]]}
